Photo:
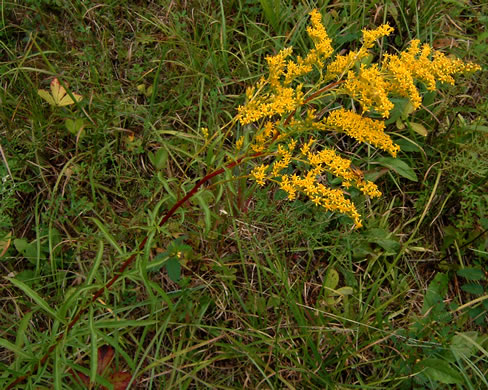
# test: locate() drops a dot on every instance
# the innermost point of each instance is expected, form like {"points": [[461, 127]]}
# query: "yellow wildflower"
{"points": [[323, 48], [277, 99], [259, 174], [343, 63], [370, 36], [362, 129], [370, 88], [239, 143], [415, 64], [276, 65], [368, 188]]}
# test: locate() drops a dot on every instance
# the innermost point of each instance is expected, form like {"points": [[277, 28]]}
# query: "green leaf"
{"points": [[206, 211], [173, 267], [123, 323], [385, 239], [15, 349], [473, 288], [418, 128], [435, 292], [108, 236], [407, 109], [270, 10], [440, 370], [36, 298], [407, 145], [157, 262], [74, 126], [26, 249], [461, 346], [331, 279], [159, 158], [345, 291], [399, 166], [471, 273]]}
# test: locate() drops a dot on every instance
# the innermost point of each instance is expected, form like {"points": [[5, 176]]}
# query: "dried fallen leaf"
{"points": [[58, 97], [119, 379]]}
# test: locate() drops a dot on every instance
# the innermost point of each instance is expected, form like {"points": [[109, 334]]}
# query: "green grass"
{"points": [[272, 293]]}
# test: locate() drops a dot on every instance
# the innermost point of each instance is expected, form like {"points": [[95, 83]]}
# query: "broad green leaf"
{"points": [[74, 126], [399, 166], [28, 250], [440, 370], [471, 273], [331, 279], [385, 239], [159, 158], [36, 298], [345, 291], [418, 128], [399, 124], [435, 292], [407, 109], [173, 267], [473, 288], [461, 347], [407, 145]]}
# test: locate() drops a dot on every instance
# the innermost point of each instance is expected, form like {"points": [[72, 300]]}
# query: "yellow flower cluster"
{"points": [[370, 36], [330, 199], [280, 96], [323, 44], [362, 129], [415, 64], [259, 174], [240, 143], [266, 134], [369, 87], [279, 102], [342, 63]]}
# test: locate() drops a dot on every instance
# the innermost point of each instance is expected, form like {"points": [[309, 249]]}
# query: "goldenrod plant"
{"points": [[286, 129], [359, 94]]}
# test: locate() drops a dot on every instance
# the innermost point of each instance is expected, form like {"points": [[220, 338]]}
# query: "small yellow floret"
{"points": [[259, 174]]}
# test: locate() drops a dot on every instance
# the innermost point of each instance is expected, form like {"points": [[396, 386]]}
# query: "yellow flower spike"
{"points": [[259, 174], [370, 36], [343, 63], [362, 129], [316, 31]]}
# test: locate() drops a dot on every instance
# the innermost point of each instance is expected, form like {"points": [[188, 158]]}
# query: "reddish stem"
{"points": [[126, 264], [130, 260]]}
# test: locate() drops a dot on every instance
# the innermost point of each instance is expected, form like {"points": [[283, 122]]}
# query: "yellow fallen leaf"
{"points": [[58, 97]]}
